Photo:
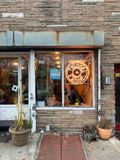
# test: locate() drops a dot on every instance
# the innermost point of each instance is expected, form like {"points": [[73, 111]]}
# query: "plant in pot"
{"points": [[21, 127], [77, 102], [44, 84], [48, 95], [104, 128]]}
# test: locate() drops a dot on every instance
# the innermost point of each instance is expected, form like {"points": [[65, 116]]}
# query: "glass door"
{"points": [[14, 75], [9, 77]]}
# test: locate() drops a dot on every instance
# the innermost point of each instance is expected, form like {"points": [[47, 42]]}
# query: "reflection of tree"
{"points": [[6, 94], [4, 76], [8, 76]]}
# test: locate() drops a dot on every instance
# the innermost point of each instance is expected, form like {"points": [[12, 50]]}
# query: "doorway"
{"points": [[117, 96]]}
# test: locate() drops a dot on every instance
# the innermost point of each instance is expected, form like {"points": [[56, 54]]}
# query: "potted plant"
{"points": [[77, 102], [49, 96], [21, 127], [104, 128]]}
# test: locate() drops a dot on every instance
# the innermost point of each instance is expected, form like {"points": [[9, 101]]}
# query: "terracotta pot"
{"points": [[51, 101], [104, 133], [19, 138]]}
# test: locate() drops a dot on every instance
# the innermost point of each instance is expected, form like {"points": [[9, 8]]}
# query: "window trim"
{"points": [[93, 0], [65, 108]]}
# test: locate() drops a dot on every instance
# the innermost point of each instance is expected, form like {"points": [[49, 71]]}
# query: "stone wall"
{"points": [[65, 120], [71, 15], [39, 14]]}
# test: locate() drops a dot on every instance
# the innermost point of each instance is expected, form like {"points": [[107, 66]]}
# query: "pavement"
{"points": [[28, 152], [54, 147], [103, 150]]}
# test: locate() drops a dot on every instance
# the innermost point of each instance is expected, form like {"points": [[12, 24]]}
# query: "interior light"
{"points": [[15, 63], [57, 58], [58, 66], [56, 52], [22, 68], [58, 62]]}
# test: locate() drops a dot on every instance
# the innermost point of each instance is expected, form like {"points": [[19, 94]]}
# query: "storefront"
{"points": [[66, 89], [58, 74]]}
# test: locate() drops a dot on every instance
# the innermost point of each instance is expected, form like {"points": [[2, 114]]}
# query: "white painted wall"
{"points": [[10, 112]]}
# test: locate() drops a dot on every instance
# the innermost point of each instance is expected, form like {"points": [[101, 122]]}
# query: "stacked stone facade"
{"points": [[70, 15]]}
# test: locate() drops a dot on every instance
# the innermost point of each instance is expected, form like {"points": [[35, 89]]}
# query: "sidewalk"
{"points": [[28, 152], [103, 150], [71, 149]]}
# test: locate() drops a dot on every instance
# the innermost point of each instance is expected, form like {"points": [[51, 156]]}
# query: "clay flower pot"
{"points": [[19, 138], [51, 101], [104, 134]]}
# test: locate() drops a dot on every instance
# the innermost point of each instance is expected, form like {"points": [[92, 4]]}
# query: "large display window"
{"points": [[64, 79]]}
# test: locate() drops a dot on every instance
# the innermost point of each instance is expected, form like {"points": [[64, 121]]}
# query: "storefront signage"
{"points": [[54, 73], [77, 72]]}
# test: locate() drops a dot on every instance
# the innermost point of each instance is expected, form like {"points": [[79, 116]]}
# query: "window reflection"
{"points": [[48, 79], [9, 77]]}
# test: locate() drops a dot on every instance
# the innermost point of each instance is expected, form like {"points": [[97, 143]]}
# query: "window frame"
{"points": [[62, 83]]}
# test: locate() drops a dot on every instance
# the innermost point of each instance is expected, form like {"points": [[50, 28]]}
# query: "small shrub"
{"points": [[105, 124]]}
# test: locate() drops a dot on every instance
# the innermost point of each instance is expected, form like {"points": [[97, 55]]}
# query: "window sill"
{"points": [[93, 1], [65, 108]]}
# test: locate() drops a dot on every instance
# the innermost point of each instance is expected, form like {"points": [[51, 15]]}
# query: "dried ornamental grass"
{"points": [[105, 124]]}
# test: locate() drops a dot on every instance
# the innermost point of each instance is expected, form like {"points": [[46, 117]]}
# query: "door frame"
{"points": [[28, 108], [32, 95]]}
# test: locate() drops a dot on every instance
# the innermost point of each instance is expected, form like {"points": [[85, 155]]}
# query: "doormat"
{"points": [[61, 147]]}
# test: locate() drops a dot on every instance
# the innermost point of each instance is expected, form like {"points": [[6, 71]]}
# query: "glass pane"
{"points": [[8, 78], [78, 80], [48, 79], [25, 79]]}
